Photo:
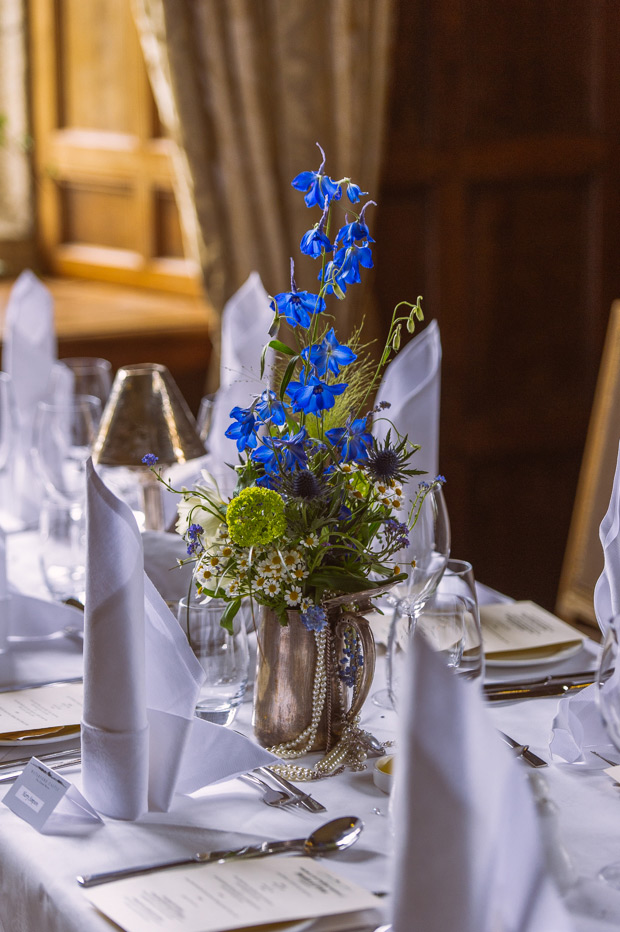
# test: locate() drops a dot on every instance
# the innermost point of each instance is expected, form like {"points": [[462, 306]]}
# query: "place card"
{"points": [[525, 628], [40, 710], [51, 804], [231, 895]]}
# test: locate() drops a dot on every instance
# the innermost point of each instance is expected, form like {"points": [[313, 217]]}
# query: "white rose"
{"points": [[194, 509]]}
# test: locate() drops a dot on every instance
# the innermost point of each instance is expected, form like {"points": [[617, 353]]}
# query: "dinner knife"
{"points": [[11, 775], [532, 759], [556, 685], [308, 802], [16, 689]]}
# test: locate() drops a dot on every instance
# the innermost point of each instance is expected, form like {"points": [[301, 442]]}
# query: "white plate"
{"points": [[41, 739], [521, 660]]}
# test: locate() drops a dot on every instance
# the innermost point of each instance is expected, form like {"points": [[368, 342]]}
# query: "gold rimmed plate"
{"points": [[38, 736]]}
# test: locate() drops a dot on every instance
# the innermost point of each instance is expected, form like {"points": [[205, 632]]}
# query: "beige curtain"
{"points": [[246, 88], [15, 190]]}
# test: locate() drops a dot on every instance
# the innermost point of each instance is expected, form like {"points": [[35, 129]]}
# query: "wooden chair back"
{"points": [[583, 558]]}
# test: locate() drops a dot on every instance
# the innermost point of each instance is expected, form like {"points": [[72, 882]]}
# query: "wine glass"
{"points": [[86, 375], [441, 621], [459, 579], [427, 553], [64, 433]]}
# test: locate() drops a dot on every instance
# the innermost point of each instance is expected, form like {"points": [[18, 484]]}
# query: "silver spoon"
{"points": [[332, 836]]}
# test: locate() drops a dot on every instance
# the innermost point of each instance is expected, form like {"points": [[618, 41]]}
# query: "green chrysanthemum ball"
{"points": [[255, 517]]}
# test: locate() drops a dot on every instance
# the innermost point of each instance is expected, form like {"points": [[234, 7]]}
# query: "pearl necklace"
{"points": [[351, 750]]}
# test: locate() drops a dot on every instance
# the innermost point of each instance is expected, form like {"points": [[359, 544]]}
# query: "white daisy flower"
{"points": [[292, 596], [310, 540], [300, 572], [232, 588], [271, 587]]}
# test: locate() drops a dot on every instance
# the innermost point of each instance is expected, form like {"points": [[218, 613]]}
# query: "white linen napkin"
{"points": [[577, 727], [140, 739], [28, 354], [469, 853], [607, 589], [246, 320], [412, 385]]}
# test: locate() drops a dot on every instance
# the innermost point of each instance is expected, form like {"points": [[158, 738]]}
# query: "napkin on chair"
{"points": [[469, 853], [577, 727], [28, 355], [607, 589], [140, 740], [412, 385]]}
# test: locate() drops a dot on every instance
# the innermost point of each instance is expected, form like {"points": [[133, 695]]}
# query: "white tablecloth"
{"points": [[38, 891]]}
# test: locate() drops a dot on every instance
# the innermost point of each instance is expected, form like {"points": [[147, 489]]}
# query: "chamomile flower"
{"points": [[310, 540], [292, 596], [232, 588], [226, 551], [300, 571], [272, 587]]}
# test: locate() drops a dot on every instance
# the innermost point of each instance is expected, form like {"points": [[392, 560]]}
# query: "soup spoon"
{"points": [[332, 836]]}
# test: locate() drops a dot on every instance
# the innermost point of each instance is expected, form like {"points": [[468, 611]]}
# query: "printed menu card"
{"points": [[231, 895], [511, 630], [40, 711]]}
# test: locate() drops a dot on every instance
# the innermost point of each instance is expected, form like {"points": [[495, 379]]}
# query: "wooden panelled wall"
{"points": [[501, 205]]}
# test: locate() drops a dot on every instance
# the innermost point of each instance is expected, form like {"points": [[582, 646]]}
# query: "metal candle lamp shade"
{"points": [[146, 413]]}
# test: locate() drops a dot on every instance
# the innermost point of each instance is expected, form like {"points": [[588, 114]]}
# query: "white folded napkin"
{"points": [[28, 355], [246, 320], [578, 727], [412, 385], [469, 853], [607, 589], [140, 739]]}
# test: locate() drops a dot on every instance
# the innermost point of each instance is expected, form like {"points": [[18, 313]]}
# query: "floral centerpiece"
{"points": [[315, 512]]}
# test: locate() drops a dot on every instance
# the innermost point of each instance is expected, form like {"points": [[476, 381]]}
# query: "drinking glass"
{"points": [[204, 420], [224, 657], [428, 553], [608, 699], [63, 436], [62, 549], [91, 375], [441, 621], [459, 579], [8, 437]]}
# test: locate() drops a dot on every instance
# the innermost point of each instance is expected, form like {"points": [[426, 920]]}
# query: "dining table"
{"points": [[38, 888]]}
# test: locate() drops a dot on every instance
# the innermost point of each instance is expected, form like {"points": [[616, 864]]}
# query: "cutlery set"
{"points": [[288, 795]]}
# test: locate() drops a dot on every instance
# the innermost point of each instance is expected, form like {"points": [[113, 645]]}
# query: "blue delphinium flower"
{"points": [[312, 395], [353, 191], [317, 185], [270, 408], [284, 453], [149, 459], [353, 440], [244, 431], [329, 355], [356, 231], [297, 306], [271, 457], [315, 241], [344, 269], [314, 618]]}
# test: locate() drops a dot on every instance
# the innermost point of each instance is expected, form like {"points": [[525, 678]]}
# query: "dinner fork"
{"points": [[278, 798]]}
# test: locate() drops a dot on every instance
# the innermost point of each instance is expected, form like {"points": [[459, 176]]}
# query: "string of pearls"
{"points": [[351, 750]]}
